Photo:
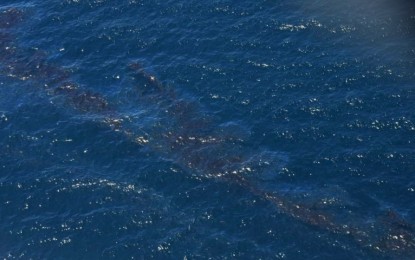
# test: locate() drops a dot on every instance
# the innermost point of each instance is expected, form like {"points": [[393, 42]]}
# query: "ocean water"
{"points": [[148, 129]]}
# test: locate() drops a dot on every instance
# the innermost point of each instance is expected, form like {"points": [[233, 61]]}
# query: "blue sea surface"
{"points": [[149, 129]]}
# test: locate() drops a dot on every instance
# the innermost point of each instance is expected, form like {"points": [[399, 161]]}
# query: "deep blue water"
{"points": [[207, 129]]}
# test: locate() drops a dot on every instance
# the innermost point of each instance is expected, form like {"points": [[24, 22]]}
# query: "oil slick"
{"points": [[190, 138]]}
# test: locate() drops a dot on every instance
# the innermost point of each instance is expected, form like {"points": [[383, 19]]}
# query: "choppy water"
{"points": [[207, 129]]}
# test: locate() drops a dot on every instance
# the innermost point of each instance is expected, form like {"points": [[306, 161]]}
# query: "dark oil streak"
{"points": [[189, 142]]}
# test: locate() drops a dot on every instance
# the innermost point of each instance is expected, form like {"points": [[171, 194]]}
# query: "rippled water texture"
{"points": [[207, 129]]}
